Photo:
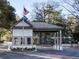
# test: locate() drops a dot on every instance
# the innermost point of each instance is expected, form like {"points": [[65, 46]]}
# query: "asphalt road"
{"points": [[43, 53], [10, 55], [31, 55]]}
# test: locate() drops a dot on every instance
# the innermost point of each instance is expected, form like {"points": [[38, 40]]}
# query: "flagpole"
{"points": [[23, 29], [25, 12]]}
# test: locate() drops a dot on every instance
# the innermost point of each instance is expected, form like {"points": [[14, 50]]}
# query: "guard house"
{"points": [[27, 34]]}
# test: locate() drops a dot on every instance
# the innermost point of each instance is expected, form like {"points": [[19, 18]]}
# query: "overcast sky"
{"points": [[19, 4]]}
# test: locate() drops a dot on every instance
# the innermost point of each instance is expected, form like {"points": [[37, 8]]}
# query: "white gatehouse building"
{"points": [[27, 34]]}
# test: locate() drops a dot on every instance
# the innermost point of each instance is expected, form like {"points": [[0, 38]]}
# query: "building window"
{"points": [[15, 40], [21, 40], [18, 27], [28, 40]]}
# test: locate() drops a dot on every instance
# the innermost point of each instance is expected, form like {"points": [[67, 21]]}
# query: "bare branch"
{"points": [[71, 5], [71, 12]]}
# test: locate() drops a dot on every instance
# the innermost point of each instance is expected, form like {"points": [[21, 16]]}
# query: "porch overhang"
{"points": [[45, 27]]}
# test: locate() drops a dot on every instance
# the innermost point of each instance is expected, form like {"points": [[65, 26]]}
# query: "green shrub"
{"points": [[76, 37]]}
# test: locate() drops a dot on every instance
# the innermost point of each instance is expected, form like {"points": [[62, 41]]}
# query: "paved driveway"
{"points": [[41, 53], [72, 52]]}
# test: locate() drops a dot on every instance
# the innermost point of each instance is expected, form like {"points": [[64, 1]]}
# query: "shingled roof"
{"points": [[40, 26], [43, 26]]}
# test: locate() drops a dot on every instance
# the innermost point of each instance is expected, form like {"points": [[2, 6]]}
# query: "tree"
{"points": [[73, 24], [7, 14], [73, 28], [46, 13], [39, 12], [7, 17]]}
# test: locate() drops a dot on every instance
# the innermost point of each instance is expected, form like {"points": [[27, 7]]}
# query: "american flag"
{"points": [[25, 12]]}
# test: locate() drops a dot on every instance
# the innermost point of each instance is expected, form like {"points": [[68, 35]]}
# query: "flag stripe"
{"points": [[25, 11]]}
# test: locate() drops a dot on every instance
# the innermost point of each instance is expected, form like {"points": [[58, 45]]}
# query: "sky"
{"points": [[28, 4]]}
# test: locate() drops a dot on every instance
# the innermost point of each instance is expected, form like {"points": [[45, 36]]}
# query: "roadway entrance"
{"points": [[53, 39]]}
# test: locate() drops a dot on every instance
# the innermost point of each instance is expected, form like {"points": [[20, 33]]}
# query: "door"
{"points": [[28, 40]]}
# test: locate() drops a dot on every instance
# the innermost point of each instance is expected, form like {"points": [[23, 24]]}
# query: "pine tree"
{"points": [[7, 14]]}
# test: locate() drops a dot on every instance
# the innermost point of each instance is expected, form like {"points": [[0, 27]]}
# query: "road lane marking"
{"points": [[47, 57]]}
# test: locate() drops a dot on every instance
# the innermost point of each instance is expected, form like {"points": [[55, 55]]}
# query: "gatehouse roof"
{"points": [[39, 26], [43, 26]]}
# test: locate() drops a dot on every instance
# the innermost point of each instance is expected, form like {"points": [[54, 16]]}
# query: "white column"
{"points": [[19, 38], [12, 40], [55, 44], [12, 37], [57, 39], [31, 40], [60, 44], [25, 41]]}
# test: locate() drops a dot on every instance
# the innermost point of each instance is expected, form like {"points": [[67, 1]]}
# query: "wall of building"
{"points": [[22, 32], [22, 23]]}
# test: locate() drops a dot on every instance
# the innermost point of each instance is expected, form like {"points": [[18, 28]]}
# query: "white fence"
{"points": [[70, 45]]}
